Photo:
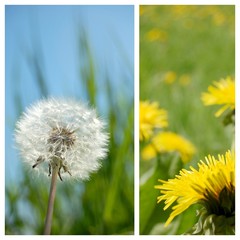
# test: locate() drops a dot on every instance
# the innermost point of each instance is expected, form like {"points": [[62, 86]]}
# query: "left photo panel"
{"points": [[69, 120]]}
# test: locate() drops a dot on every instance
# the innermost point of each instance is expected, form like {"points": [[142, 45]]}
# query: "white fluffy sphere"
{"points": [[69, 132]]}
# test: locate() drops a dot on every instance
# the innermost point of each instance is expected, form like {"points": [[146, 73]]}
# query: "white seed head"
{"points": [[67, 133]]}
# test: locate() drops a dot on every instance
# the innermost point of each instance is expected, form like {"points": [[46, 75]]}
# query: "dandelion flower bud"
{"points": [[64, 134]]}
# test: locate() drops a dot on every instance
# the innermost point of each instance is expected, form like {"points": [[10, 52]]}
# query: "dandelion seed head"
{"points": [[65, 131]]}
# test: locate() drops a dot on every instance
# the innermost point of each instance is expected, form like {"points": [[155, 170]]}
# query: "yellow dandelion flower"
{"points": [[148, 152], [142, 10], [222, 93], [169, 77], [218, 18], [171, 142], [156, 34], [151, 117], [184, 79], [214, 181]]}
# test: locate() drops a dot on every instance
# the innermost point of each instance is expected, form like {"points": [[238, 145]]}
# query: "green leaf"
{"points": [[148, 196], [160, 229]]}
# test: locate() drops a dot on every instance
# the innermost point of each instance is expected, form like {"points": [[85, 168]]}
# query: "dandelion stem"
{"points": [[48, 221]]}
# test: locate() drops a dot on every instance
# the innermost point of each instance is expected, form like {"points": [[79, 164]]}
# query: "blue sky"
{"points": [[52, 33]]}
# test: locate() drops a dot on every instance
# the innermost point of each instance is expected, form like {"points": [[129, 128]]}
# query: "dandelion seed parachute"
{"points": [[60, 130]]}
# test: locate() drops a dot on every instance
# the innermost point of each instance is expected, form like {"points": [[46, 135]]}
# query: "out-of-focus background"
{"points": [[81, 52], [183, 50]]}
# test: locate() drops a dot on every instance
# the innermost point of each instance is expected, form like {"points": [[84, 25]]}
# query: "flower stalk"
{"points": [[52, 193], [61, 138]]}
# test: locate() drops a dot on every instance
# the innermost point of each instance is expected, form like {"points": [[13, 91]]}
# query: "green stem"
{"points": [[48, 221]]}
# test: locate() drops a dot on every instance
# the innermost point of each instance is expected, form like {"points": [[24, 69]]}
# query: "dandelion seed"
{"points": [[66, 133]]}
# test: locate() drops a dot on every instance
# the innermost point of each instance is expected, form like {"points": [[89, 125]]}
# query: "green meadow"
{"points": [[183, 50]]}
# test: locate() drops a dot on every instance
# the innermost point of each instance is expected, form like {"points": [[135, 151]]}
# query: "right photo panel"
{"points": [[187, 119]]}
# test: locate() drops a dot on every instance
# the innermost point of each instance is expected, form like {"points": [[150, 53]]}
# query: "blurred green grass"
{"points": [[183, 49], [103, 205]]}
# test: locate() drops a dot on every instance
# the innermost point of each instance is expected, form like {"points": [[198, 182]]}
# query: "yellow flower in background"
{"points": [[222, 93], [141, 10], [151, 117], [209, 185], [169, 77], [148, 152], [165, 142], [181, 10], [184, 79], [219, 18], [156, 34]]}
